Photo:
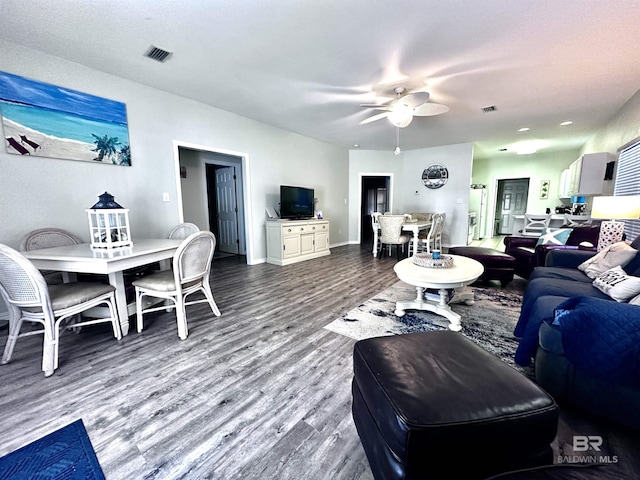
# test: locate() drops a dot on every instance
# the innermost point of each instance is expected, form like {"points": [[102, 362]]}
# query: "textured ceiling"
{"points": [[307, 65]]}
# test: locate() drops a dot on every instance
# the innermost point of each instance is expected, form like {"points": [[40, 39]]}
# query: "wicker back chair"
{"points": [[29, 298], [47, 238], [190, 274], [183, 230]]}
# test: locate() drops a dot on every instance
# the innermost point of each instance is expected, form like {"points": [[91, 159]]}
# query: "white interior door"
{"points": [[227, 210], [513, 201]]}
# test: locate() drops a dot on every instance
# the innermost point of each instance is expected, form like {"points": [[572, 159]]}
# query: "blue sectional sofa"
{"points": [[591, 355]]}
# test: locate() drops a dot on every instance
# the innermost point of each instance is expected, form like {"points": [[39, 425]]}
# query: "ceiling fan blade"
{"points": [[416, 99], [428, 109], [375, 106], [374, 118]]}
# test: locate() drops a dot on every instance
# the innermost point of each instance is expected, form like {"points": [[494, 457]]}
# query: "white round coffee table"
{"points": [[464, 271]]}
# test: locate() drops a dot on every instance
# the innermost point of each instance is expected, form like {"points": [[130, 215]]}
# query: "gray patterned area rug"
{"points": [[489, 321]]}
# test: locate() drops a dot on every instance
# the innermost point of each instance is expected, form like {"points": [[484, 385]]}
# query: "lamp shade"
{"points": [[620, 207]]}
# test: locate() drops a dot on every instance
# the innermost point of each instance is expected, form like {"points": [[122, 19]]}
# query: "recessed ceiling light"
{"points": [[564, 124], [356, 145], [526, 150], [524, 129]]}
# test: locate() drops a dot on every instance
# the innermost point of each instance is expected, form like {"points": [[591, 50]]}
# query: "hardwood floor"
{"points": [[262, 392]]}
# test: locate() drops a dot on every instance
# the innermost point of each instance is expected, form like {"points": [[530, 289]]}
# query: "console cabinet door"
{"points": [[306, 243], [291, 246], [322, 241]]}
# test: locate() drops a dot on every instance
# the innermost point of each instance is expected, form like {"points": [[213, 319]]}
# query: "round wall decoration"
{"points": [[435, 176]]}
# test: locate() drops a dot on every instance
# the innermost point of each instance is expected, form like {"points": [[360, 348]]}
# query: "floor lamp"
{"points": [[620, 207]]}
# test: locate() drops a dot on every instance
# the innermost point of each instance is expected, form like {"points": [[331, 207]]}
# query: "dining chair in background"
{"points": [[576, 220], [375, 226], [48, 238], [391, 232], [535, 225], [183, 230], [55, 307], [432, 240], [189, 275]]}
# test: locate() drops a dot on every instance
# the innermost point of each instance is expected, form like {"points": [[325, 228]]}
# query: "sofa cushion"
{"points": [[633, 267], [561, 273], [584, 233], [556, 287], [541, 308], [554, 236], [616, 254], [617, 284], [602, 338]]}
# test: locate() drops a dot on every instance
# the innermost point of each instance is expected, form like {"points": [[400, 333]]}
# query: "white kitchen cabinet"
{"points": [[586, 175]]}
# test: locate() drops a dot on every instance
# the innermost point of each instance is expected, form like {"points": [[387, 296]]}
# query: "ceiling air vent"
{"points": [[490, 108], [158, 54]]}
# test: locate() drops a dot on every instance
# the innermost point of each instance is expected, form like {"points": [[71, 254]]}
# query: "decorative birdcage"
{"points": [[109, 224]]}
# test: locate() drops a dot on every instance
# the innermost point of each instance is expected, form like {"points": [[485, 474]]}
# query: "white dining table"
{"points": [[113, 262], [413, 226]]}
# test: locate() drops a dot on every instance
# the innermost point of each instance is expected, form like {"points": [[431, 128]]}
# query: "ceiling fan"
{"points": [[404, 107]]}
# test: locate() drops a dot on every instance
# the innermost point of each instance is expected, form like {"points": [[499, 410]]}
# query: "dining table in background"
{"points": [[112, 262], [413, 226]]}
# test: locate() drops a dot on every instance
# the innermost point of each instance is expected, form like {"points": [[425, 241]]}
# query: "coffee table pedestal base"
{"points": [[438, 304]]}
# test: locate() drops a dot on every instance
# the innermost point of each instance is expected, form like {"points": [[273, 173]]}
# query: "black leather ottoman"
{"points": [[436, 405], [497, 265]]}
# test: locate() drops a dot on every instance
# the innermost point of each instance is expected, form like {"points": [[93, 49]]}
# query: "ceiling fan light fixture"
{"points": [[401, 115]]}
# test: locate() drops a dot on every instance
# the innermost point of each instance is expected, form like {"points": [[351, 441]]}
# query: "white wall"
{"points": [[621, 129], [406, 171], [36, 192]]}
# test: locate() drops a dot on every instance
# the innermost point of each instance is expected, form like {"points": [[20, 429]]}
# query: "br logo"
{"points": [[582, 443]]}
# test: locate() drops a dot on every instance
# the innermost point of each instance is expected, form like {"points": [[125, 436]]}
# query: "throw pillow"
{"points": [[617, 284], [554, 236], [617, 254], [635, 300]]}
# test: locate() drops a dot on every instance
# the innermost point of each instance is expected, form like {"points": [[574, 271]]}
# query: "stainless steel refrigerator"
{"points": [[478, 204]]}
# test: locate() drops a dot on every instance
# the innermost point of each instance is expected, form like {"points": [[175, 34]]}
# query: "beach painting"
{"points": [[44, 120]]}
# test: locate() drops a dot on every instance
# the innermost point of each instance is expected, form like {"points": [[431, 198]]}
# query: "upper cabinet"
{"points": [[585, 176]]}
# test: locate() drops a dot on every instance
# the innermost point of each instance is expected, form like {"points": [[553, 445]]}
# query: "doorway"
{"points": [[374, 198], [213, 193], [512, 195]]}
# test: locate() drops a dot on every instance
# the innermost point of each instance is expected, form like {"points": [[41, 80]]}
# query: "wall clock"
{"points": [[435, 176]]}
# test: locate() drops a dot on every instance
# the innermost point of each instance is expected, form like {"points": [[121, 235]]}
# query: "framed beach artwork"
{"points": [[44, 120]]}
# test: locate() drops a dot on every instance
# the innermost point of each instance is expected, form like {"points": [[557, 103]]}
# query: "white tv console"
{"points": [[291, 241]]}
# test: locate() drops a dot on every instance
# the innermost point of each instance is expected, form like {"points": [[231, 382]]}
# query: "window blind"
{"points": [[628, 182]]}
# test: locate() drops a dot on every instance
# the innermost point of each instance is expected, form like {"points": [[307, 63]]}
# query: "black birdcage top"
{"points": [[106, 202]]}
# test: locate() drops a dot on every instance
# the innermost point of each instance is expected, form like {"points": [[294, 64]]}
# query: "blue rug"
{"points": [[64, 454]]}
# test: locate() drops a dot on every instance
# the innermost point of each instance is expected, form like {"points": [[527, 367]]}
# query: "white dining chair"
{"points": [[189, 275], [391, 232], [183, 230], [432, 240], [576, 220], [55, 307], [375, 226], [47, 238], [535, 225]]}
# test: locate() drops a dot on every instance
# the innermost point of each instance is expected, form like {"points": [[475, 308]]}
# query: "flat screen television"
{"points": [[296, 202]]}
